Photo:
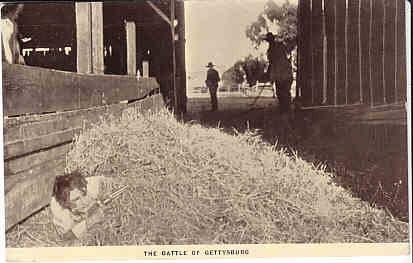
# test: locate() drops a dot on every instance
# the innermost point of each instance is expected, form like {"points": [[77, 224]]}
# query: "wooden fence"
{"points": [[352, 52], [44, 109]]}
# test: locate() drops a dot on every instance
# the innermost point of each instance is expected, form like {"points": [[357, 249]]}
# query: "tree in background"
{"points": [[234, 75], [252, 67], [282, 19], [282, 22]]}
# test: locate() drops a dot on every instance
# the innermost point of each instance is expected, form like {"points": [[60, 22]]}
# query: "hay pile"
{"points": [[194, 185]]}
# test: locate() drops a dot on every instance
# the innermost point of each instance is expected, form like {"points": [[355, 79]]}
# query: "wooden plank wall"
{"points": [[36, 144], [41, 143], [340, 26], [28, 90], [305, 50], [317, 52], [329, 13], [376, 52], [366, 51], [400, 51], [353, 57], [365, 18]]}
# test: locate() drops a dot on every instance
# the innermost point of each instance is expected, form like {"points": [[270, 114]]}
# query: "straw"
{"points": [[188, 184]]}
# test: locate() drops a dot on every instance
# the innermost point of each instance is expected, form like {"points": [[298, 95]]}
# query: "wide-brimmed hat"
{"points": [[210, 65]]}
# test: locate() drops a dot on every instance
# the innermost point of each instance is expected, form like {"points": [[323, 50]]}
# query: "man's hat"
{"points": [[210, 65]]}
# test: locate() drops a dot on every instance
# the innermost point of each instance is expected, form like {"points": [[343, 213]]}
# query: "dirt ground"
{"points": [[379, 177]]}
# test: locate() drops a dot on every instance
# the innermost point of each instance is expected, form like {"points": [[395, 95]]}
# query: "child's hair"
{"points": [[66, 183]]}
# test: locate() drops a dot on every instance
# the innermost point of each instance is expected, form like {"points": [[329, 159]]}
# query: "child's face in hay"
{"points": [[76, 197]]}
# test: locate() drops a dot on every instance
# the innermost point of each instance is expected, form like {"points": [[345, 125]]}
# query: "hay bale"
{"points": [[194, 185]]}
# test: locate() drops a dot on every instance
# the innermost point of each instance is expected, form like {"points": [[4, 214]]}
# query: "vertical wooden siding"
{"points": [[365, 51], [305, 47], [353, 54], [317, 51]]}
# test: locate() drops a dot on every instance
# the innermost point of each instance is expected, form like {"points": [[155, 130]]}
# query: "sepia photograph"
{"points": [[222, 123]]}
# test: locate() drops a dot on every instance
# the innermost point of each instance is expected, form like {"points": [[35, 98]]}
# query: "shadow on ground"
{"points": [[375, 174]]}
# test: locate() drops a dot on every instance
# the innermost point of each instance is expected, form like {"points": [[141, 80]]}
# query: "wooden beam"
{"points": [[365, 30], [340, 22], [131, 47], [172, 17], [377, 51], [180, 14], [317, 51], [89, 37], [83, 37], [159, 12], [353, 63], [29, 161], [390, 48], [39, 90], [305, 51], [329, 9], [401, 74], [98, 65]]}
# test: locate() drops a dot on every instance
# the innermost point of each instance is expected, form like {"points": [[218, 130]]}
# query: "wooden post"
{"points": [[145, 69], [401, 81], [298, 75], [89, 37], [83, 37], [329, 9], [353, 63], [365, 20], [389, 48], [377, 52], [305, 51], [131, 47], [180, 14], [341, 66], [172, 19], [98, 65], [317, 51]]}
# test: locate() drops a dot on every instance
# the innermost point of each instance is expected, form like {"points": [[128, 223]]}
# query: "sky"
{"points": [[215, 31]]}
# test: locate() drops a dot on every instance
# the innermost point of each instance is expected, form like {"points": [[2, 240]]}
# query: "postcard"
{"points": [[206, 129]]}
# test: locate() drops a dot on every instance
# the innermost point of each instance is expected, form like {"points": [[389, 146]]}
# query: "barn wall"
{"points": [[365, 51], [364, 90], [39, 128]]}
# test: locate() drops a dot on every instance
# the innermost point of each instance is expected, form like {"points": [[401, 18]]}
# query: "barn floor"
{"points": [[379, 177]]}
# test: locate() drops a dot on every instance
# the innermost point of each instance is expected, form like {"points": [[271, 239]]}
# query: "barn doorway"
{"points": [[47, 35]]}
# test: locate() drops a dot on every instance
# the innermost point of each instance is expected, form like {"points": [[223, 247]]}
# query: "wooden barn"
{"points": [[112, 38], [87, 60], [84, 61], [352, 52], [352, 73]]}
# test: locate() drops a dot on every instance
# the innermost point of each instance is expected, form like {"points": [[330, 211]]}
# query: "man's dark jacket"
{"points": [[212, 78]]}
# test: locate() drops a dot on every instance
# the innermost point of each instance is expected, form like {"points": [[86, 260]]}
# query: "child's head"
{"points": [[69, 188]]}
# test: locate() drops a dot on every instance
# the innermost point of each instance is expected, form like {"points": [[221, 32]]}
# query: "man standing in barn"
{"points": [[279, 71], [211, 82]]}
